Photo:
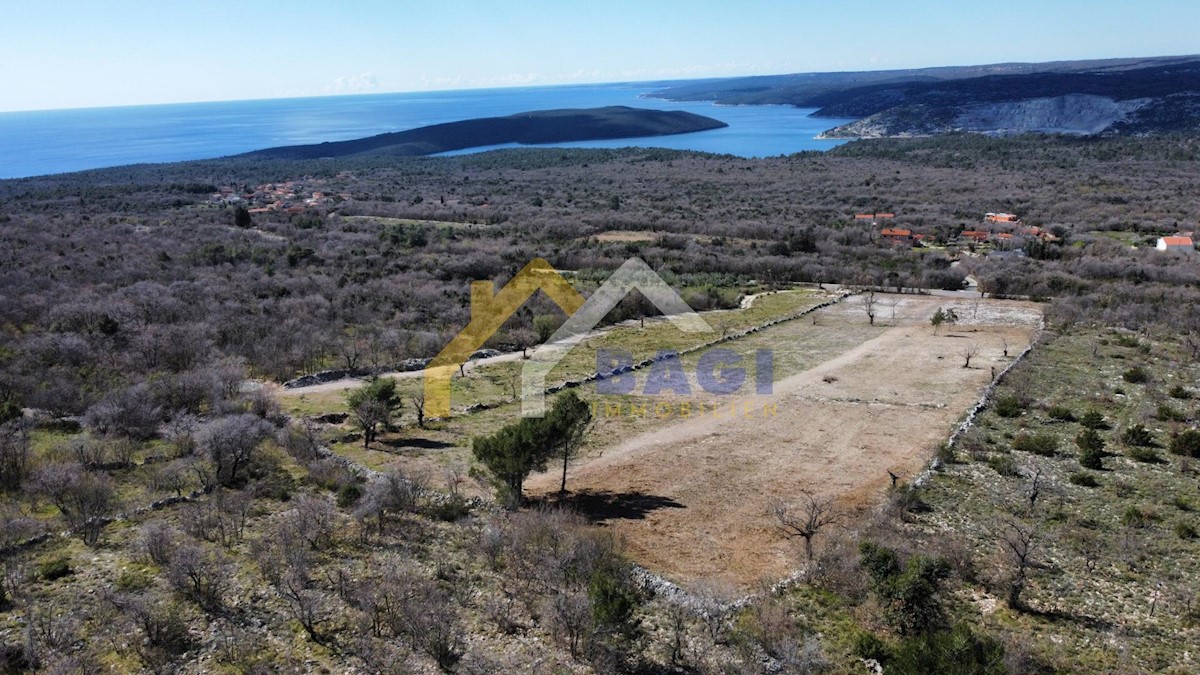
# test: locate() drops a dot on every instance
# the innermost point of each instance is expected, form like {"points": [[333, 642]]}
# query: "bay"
{"points": [[58, 141]]}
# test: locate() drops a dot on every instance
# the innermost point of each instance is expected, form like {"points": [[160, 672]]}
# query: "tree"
{"points": [[14, 454], [229, 443], [242, 218], [909, 593], [511, 454], [1186, 443], [374, 406], [806, 519], [1091, 449], [1017, 542], [869, 302], [969, 352], [569, 423], [942, 316], [418, 403], [85, 499]]}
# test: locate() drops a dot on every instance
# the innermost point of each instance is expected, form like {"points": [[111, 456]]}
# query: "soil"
{"points": [[691, 499]]}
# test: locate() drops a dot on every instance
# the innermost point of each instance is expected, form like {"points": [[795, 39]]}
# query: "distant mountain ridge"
{"points": [[536, 127], [1112, 96]]}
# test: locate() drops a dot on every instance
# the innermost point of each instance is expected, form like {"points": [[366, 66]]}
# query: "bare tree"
{"points": [[805, 519], [418, 404], [84, 498], [1036, 484], [869, 302], [969, 352], [14, 454], [230, 443], [1004, 343], [1018, 544], [201, 573]]}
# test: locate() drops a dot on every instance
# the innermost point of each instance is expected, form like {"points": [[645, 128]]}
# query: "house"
{"points": [[1177, 244], [864, 216], [975, 235], [1001, 218], [896, 234], [884, 216]]}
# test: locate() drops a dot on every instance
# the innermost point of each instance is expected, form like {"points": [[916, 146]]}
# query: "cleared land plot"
{"points": [[691, 496]]}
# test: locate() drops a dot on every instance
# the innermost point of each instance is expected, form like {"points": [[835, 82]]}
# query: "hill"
{"points": [[1112, 97], [542, 126]]}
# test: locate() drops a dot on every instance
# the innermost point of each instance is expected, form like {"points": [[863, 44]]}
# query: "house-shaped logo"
{"points": [[490, 310]]}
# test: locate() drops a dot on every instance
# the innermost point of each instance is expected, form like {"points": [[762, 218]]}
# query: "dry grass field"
{"points": [[691, 496]]}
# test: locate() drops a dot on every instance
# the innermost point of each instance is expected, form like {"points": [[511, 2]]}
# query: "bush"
{"points": [[1060, 413], [1136, 375], [1091, 449], [1083, 479], [1009, 406], [868, 646], [949, 653], [1134, 516], [1180, 392], [348, 495], [1138, 435], [1185, 531], [910, 593], [1039, 444], [1186, 443], [1168, 414], [1003, 465], [54, 567], [1144, 455], [1093, 420]]}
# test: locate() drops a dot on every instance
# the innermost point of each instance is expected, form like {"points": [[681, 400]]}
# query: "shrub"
{"points": [[1039, 444], [1091, 449], [348, 495], [1060, 413], [1168, 414], [1143, 454], [1134, 516], [1182, 503], [1186, 443], [1003, 465], [1185, 531], [54, 567], [910, 593], [868, 646], [1180, 392], [1083, 479], [1009, 406], [1138, 435], [956, 651], [1093, 420], [1136, 375], [1126, 341]]}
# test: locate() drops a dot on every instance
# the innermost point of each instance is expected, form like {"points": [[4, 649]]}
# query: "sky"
{"points": [[83, 53]]}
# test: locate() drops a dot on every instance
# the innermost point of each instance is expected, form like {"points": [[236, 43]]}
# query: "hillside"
{"points": [[542, 126], [1116, 96]]}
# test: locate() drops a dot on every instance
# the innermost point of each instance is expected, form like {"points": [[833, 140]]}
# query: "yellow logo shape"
{"points": [[489, 311]]}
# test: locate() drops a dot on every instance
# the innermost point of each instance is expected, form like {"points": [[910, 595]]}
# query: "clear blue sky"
{"points": [[83, 53]]}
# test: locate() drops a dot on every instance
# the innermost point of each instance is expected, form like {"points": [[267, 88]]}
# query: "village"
{"points": [[999, 234], [293, 196]]}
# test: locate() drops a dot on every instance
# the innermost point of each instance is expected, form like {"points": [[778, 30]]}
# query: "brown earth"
{"points": [[691, 498]]}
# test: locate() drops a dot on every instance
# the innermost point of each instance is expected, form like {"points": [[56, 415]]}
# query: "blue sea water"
{"points": [[57, 141]]}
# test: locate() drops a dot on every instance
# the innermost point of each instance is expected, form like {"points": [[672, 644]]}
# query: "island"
{"points": [[531, 128]]}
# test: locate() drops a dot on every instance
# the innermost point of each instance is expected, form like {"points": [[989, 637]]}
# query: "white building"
{"points": [[1180, 244]]}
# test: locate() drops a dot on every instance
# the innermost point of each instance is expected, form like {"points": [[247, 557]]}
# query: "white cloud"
{"points": [[354, 84]]}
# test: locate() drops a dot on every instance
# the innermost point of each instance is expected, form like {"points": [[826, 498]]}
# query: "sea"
{"points": [[59, 141]]}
